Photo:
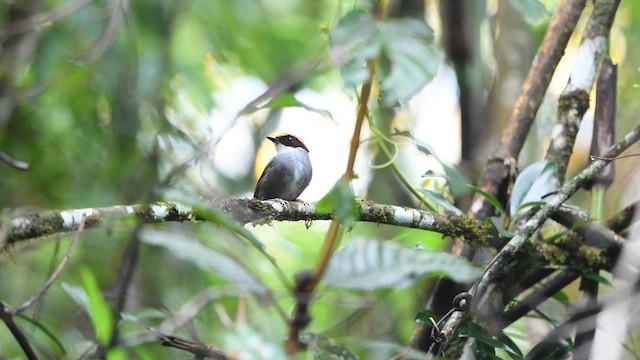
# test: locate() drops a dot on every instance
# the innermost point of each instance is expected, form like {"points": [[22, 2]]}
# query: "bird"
{"points": [[288, 173]]}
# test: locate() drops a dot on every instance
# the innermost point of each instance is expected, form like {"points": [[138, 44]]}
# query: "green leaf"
{"points": [[532, 10], [439, 199], [499, 342], [184, 247], [534, 182], [411, 60], [530, 204], [98, 309], [289, 100], [550, 350], [218, 217], [117, 353], [408, 60], [424, 316], [496, 222], [490, 198], [352, 44], [341, 202], [368, 264], [562, 297], [598, 278], [78, 295], [57, 343], [458, 182]]}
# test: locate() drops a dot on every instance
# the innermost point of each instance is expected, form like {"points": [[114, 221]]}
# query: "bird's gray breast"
{"points": [[295, 168]]}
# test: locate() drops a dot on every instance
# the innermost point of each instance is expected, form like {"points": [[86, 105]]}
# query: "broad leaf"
{"points": [[534, 182], [490, 198], [458, 182], [186, 248], [412, 60], [441, 201], [424, 316], [408, 60], [90, 299], [341, 202], [368, 264], [499, 342], [99, 310]]}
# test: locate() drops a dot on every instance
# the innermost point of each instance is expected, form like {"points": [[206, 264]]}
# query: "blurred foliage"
{"points": [[104, 100]]}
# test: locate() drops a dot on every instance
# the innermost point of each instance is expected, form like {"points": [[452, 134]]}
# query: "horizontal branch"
{"points": [[244, 211]]}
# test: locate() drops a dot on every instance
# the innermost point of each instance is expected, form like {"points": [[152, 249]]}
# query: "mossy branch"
{"points": [[31, 226]]}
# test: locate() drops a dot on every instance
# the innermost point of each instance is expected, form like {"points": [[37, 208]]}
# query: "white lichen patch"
{"points": [[20, 223], [130, 210], [557, 137], [476, 206], [159, 211], [183, 209], [303, 207], [427, 221], [71, 219], [403, 216], [276, 204], [584, 69]]}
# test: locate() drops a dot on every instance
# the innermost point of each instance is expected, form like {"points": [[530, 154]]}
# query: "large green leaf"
{"points": [[534, 182], [184, 247], [90, 299], [368, 264], [408, 60]]}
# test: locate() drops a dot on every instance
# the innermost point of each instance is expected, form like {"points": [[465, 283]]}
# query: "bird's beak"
{"points": [[274, 140]]}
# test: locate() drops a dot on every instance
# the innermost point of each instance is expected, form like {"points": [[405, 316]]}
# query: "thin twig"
{"points": [[108, 34], [6, 314], [40, 20], [20, 165], [593, 157], [200, 350], [54, 276], [497, 265]]}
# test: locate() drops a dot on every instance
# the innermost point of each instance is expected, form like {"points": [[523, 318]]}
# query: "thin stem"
{"points": [[396, 169]]}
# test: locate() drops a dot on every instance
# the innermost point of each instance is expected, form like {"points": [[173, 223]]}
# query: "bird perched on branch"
{"points": [[288, 173]]}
